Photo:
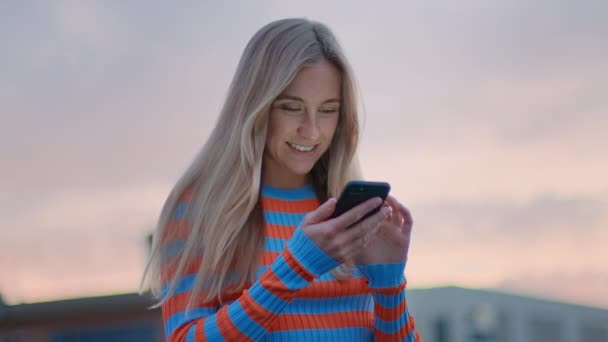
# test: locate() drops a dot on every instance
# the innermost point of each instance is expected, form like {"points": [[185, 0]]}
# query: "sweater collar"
{"points": [[305, 192]]}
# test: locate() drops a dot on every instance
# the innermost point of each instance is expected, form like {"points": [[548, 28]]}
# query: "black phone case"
{"points": [[357, 192]]}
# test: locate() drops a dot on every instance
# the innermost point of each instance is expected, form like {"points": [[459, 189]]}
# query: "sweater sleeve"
{"points": [[392, 320], [250, 315]]}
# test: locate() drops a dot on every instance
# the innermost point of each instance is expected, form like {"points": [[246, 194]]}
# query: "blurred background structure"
{"points": [[112, 318], [489, 120], [447, 314]]}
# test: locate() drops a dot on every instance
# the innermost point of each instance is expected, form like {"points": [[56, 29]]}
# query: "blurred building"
{"points": [[462, 315], [124, 317], [447, 314]]}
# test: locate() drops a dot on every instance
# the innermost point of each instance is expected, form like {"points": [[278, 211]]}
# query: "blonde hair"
{"points": [[224, 215]]}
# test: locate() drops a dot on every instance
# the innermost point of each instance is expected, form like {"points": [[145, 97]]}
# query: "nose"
{"points": [[309, 127]]}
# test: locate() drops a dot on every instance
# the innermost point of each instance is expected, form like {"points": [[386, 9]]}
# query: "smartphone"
{"points": [[357, 192]]}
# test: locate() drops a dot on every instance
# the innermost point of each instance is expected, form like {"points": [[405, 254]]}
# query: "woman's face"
{"points": [[301, 125]]}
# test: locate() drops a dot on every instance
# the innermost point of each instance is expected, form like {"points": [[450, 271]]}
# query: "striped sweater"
{"points": [[294, 297]]}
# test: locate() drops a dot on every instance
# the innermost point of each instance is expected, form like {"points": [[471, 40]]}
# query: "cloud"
{"points": [[484, 243], [547, 215], [488, 120], [582, 287], [475, 170], [100, 211], [88, 241]]}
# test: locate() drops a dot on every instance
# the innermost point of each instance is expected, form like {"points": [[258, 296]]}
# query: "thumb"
{"points": [[321, 214]]}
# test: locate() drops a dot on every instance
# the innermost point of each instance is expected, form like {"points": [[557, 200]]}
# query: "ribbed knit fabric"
{"points": [[295, 297]]}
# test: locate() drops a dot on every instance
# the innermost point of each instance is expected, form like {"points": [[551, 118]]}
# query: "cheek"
{"points": [[329, 129], [278, 132], [273, 131]]}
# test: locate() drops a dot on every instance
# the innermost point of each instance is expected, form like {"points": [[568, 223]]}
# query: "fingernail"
{"points": [[378, 201]]}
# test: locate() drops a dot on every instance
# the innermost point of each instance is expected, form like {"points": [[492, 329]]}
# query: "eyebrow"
{"points": [[296, 98]]}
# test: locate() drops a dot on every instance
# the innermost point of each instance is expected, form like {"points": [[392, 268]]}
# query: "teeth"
{"points": [[301, 148]]}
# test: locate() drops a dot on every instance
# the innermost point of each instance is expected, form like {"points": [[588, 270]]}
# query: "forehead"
{"points": [[316, 82]]}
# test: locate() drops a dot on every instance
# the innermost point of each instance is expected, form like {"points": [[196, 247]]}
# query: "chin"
{"points": [[301, 170]]}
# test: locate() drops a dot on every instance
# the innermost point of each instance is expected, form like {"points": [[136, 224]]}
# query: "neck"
{"points": [[285, 181]]}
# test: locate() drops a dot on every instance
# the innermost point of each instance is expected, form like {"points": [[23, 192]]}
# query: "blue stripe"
{"points": [[310, 335], [184, 317], [310, 256], [288, 275], [180, 211], [265, 298], [191, 331], [184, 284], [243, 322], [171, 249], [383, 275], [302, 193], [274, 244], [410, 337], [212, 331], [260, 271], [330, 305], [392, 326], [284, 219], [327, 276], [389, 301]]}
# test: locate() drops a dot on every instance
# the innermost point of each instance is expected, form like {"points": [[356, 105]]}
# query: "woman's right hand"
{"points": [[339, 237]]}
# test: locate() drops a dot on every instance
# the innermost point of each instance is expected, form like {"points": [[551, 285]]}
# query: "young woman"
{"points": [[244, 249]]}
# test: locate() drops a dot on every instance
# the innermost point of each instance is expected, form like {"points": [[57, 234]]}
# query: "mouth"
{"points": [[302, 148]]}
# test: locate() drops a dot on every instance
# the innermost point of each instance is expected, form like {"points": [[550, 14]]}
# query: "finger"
{"points": [[371, 233], [354, 215], [321, 214], [395, 216], [354, 247], [392, 201], [408, 221], [366, 226]]}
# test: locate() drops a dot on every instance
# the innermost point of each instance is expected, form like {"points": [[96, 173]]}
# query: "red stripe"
{"points": [[179, 302], [268, 258], [169, 269], [391, 314], [229, 331], [295, 207], [391, 290], [279, 232], [335, 288], [199, 332], [180, 333], [187, 194], [296, 266], [176, 230], [399, 335], [271, 282], [323, 321], [256, 311]]}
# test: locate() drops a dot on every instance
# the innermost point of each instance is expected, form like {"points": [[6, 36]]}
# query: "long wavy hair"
{"points": [[226, 227]]}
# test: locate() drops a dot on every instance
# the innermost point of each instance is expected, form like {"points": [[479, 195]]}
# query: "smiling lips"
{"points": [[302, 148]]}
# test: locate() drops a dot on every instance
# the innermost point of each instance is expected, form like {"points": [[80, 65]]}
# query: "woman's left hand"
{"points": [[390, 241]]}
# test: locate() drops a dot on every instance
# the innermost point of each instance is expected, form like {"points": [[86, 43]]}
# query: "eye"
{"points": [[291, 108], [328, 110]]}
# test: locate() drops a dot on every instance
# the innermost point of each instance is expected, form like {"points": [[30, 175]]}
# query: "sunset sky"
{"points": [[489, 120]]}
